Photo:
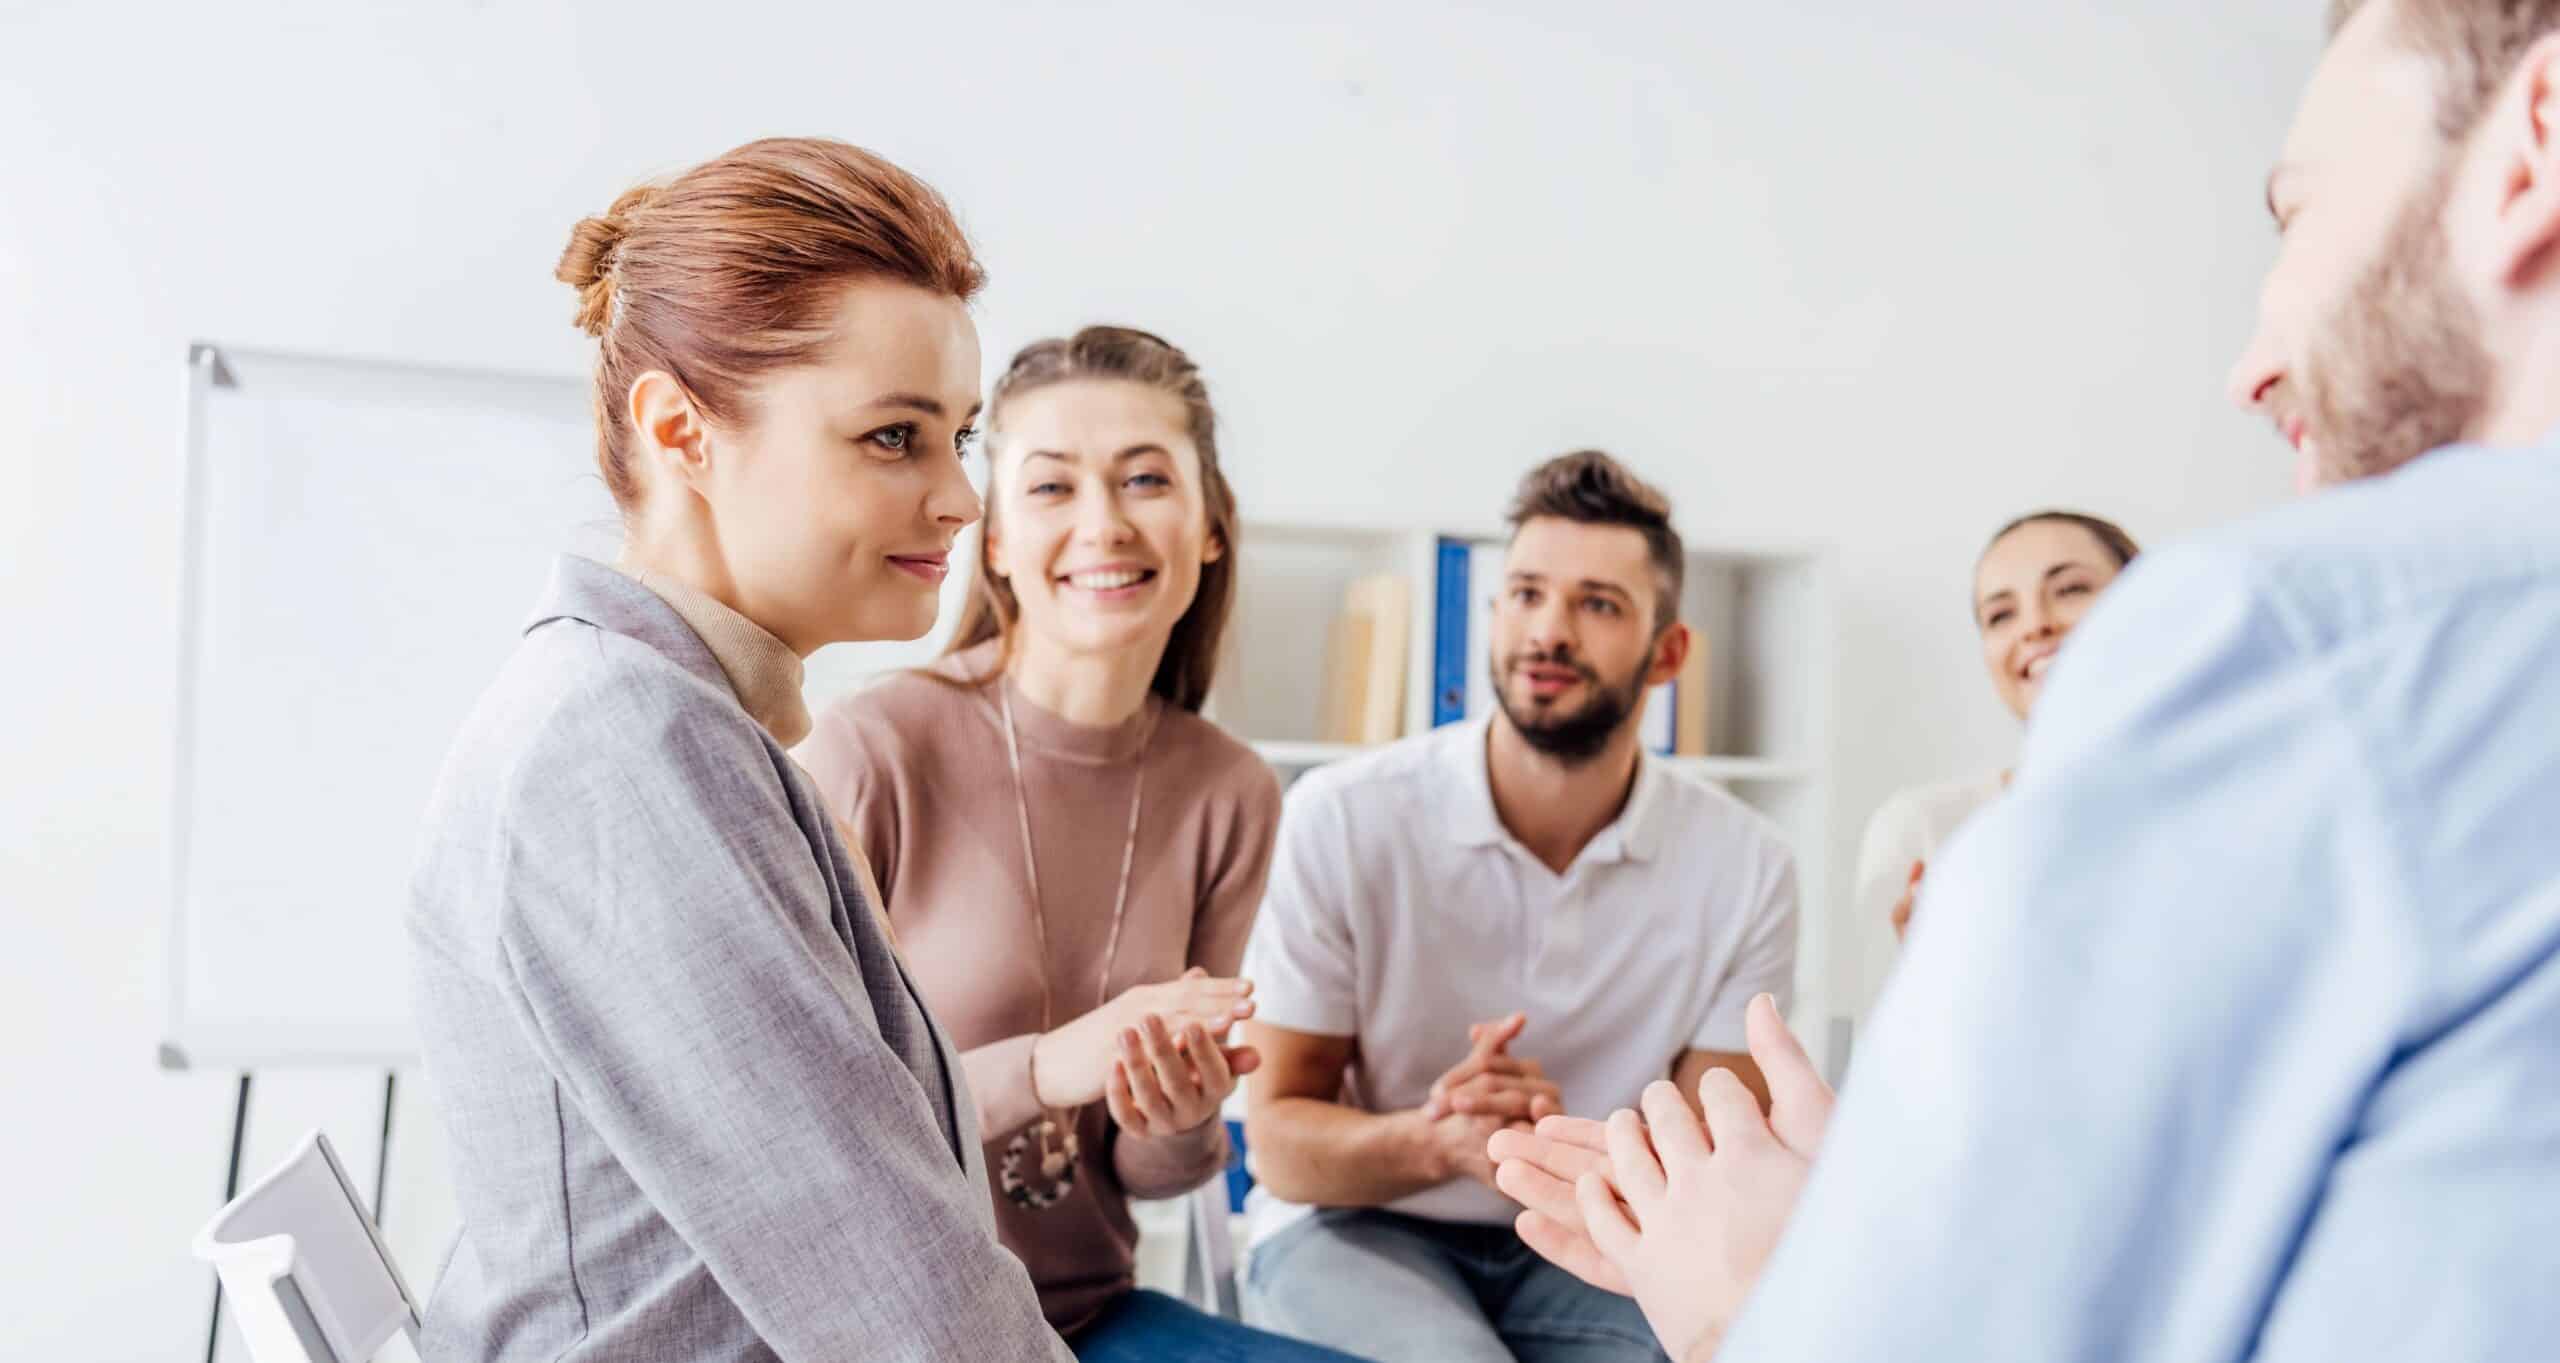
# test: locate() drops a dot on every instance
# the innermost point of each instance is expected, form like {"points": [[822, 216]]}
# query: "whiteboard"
{"points": [[363, 544]]}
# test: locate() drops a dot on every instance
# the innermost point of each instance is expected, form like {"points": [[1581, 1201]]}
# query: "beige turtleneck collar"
{"points": [[762, 669]]}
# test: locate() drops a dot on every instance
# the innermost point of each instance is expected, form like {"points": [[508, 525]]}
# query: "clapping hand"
{"points": [[1902, 907], [1490, 1090], [1073, 1065], [1164, 1083]]}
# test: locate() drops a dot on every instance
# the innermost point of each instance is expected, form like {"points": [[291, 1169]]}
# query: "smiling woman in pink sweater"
{"points": [[1072, 857]]}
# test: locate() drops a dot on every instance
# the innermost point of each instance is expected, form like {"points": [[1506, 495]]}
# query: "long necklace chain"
{"points": [[1055, 1133]]}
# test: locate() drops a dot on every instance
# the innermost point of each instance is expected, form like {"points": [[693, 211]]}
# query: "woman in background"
{"points": [[1071, 855], [2034, 581], [695, 1110]]}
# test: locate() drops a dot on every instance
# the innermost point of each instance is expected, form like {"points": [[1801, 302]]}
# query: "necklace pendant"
{"points": [[1039, 1145], [1055, 1159]]}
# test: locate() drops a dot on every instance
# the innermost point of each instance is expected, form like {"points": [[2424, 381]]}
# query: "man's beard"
{"points": [[2401, 369], [1576, 736]]}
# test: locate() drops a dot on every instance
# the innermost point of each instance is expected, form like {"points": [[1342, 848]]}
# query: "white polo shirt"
{"points": [[1400, 910]]}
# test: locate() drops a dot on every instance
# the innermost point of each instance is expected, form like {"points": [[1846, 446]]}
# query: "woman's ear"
{"points": [[991, 547], [672, 434], [1213, 547]]}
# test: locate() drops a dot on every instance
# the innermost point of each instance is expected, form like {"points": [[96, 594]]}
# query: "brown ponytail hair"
{"points": [[1190, 661], [731, 269]]}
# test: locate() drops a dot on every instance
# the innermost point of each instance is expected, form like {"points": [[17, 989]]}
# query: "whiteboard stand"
{"points": [[176, 1058], [230, 1190]]}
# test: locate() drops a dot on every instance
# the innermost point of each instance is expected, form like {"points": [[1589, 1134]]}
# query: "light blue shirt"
{"points": [[2235, 1030]]}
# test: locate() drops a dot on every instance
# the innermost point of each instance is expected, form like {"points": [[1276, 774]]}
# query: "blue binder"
{"points": [[1449, 651]]}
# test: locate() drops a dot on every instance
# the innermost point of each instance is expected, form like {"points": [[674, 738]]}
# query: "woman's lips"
{"points": [[1110, 585], [925, 567]]}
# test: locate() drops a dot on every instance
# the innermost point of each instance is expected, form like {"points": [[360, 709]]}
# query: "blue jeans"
{"points": [[1150, 1327], [1396, 1287]]}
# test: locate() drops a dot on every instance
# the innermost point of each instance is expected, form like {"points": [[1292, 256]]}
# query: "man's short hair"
{"points": [[1590, 488], [2475, 45]]}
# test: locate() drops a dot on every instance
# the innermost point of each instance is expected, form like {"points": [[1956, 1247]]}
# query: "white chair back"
{"points": [[303, 1269]]}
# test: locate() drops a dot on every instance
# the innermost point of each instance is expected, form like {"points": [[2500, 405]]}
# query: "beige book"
{"points": [[1365, 666], [1345, 675], [1386, 601], [1690, 737]]}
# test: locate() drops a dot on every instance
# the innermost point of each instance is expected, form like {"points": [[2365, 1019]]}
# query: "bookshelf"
{"points": [[1291, 583], [1291, 756], [1766, 611], [1724, 769]]}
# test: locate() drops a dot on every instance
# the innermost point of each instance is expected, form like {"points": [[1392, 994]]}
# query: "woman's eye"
{"points": [[1995, 620], [895, 439], [965, 441], [1049, 488], [1153, 482], [2073, 589]]}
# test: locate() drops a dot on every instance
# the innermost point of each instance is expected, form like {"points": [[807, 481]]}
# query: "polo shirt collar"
{"points": [[1472, 820], [1635, 835]]}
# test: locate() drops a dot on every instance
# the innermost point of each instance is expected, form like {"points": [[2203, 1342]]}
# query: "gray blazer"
{"points": [[697, 1110]]}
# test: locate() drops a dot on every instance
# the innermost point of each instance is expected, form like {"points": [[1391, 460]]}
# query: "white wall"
{"points": [[1874, 274]]}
